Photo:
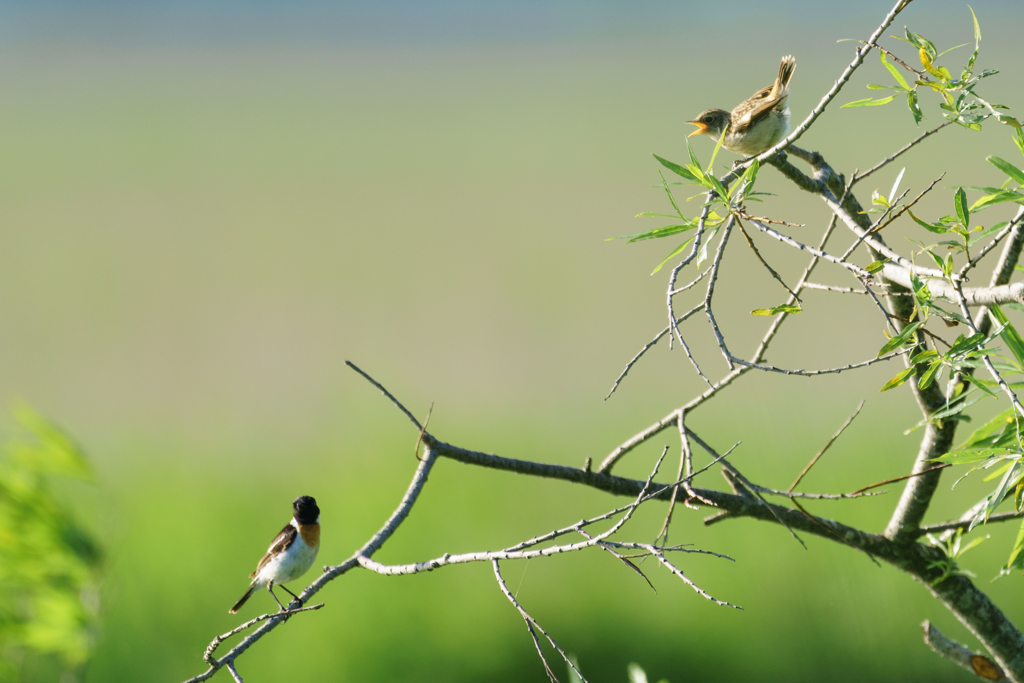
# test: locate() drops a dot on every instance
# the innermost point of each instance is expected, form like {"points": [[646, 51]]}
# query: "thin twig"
{"points": [[814, 496], [810, 250], [878, 228], [386, 393], [835, 436], [894, 58], [885, 162], [906, 476], [815, 373], [625, 560], [991, 245], [760, 258], [906, 207], [711, 292], [965, 523], [985, 359], [762, 348], [736, 473], [208, 655], [771, 221], [678, 572], [850, 290], [684, 467], [657, 338], [530, 624], [691, 283], [419, 439]]}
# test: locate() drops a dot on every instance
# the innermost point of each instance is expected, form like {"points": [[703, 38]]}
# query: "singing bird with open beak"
{"points": [[756, 124]]}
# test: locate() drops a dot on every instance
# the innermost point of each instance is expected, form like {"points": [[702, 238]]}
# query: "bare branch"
{"points": [[637, 439], [979, 665], [625, 560], [691, 283], [811, 250], [678, 572], [370, 547]]}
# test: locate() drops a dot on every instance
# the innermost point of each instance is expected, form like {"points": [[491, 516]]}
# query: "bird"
{"points": [[756, 124], [290, 554]]}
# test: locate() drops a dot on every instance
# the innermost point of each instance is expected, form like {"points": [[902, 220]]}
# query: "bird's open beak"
{"points": [[701, 127]]}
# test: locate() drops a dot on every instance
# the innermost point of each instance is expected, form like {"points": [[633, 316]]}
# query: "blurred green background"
{"points": [[208, 207]]}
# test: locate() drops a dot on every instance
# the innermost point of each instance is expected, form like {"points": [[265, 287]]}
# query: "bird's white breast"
{"points": [[760, 137], [290, 564]]}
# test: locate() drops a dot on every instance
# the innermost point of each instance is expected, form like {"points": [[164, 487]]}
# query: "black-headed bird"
{"points": [[291, 553]]}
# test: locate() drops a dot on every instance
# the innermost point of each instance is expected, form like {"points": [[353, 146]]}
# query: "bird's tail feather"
{"points": [[241, 601], [786, 69]]}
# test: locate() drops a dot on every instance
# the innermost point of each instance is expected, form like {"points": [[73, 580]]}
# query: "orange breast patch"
{"points": [[310, 534]]}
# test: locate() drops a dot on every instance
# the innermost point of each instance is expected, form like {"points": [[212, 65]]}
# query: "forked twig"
{"points": [[531, 623]]}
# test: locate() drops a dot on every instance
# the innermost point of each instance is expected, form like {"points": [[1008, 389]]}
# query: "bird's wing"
{"points": [[764, 100], [281, 542], [758, 106]]}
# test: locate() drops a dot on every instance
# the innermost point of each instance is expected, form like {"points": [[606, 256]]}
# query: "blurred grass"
{"points": [[195, 238]]}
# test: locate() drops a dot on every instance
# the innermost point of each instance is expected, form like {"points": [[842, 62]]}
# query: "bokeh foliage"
{"points": [[48, 561]]}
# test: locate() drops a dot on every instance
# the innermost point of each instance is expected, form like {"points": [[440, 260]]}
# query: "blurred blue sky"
{"points": [[452, 22]]}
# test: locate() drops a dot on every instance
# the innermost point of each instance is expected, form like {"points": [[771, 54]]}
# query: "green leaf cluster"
{"points": [[1012, 189], [719, 195], [997, 446], [929, 365], [958, 97], [48, 562], [952, 549]]}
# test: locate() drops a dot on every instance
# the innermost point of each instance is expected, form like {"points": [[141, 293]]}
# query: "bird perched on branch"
{"points": [[756, 124], [291, 553]]}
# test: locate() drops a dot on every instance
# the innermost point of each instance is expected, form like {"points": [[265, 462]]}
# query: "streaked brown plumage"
{"points": [[756, 124]]}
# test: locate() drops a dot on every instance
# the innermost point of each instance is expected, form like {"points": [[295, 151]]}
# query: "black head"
{"points": [[306, 511], [710, 122]]}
